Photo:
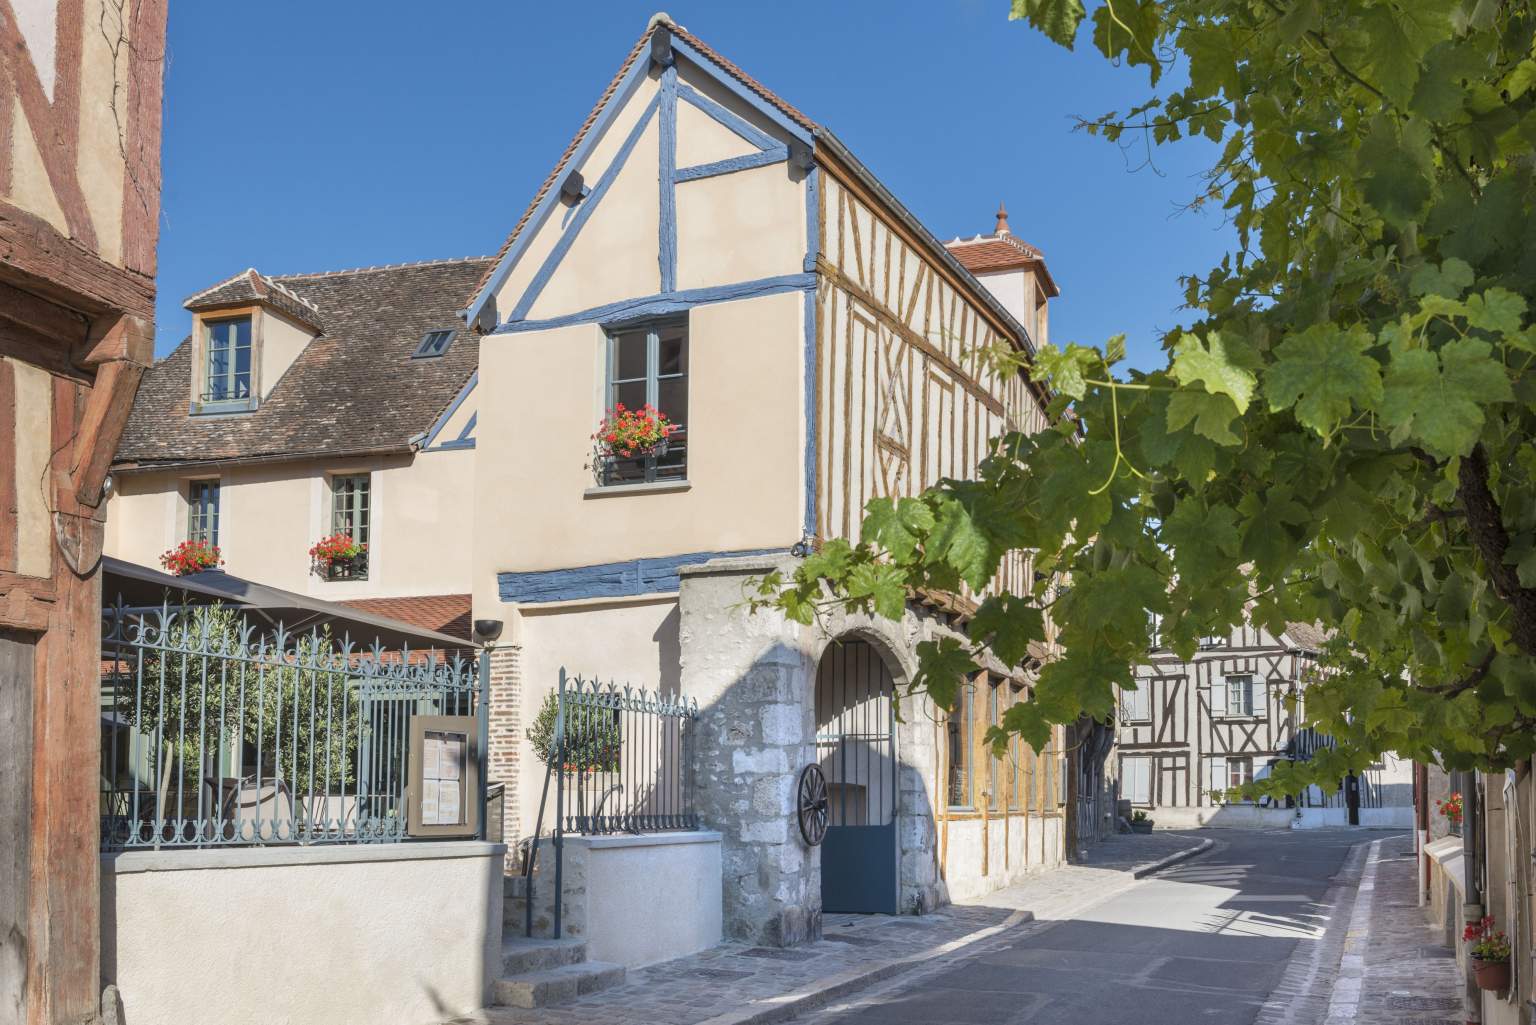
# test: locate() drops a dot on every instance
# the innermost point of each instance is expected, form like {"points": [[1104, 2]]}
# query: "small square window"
{"points": [[433, 343]]}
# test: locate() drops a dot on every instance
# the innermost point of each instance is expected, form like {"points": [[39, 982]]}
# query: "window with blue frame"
{"points": [[227, 360], [648, 365]]}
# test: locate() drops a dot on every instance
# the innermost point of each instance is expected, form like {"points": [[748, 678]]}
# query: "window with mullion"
{"points": [[203, 511], [349, 515], [648, 365], [227, 376]]}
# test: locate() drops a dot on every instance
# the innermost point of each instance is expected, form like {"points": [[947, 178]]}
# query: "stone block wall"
{"points": [[754, 681]]}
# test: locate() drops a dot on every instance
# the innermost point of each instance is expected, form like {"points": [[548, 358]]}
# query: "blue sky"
{"points": [[322, 136]]}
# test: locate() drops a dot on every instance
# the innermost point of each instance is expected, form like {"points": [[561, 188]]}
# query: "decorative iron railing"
{"points": [[218, 733], [624, 761], [620, 759]]}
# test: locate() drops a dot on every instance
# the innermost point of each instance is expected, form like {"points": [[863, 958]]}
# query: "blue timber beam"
{"points": [[627, 310]]}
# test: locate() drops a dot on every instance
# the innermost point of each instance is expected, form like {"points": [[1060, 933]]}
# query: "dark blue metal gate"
{"points": [[856, 747]]}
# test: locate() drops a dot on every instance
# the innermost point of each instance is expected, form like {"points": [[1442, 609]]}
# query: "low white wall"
{"points": [[347, 935], [1022, 845], [1247, 816], [652, 897]]}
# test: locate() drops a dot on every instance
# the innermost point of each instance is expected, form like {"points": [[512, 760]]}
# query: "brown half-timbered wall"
{"points": [[905, 396], [1182, 732], [79, 205]]}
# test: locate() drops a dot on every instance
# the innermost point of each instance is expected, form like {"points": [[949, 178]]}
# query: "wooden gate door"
{"points": [[856, 746]]}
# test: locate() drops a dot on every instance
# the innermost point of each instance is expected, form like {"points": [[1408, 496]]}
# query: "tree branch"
{"points": [[1485, 525]]}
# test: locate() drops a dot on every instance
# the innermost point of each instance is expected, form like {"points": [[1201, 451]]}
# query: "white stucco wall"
{"points": [[404, 933], [270, 514], [652, 898], [745, 477]]}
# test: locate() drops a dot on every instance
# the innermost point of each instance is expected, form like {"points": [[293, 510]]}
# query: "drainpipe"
{"points": [[1421, 824], [1472, 897]]}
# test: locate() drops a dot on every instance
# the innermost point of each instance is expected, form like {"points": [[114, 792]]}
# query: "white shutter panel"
{"points": [[1259, 697], [1218, 698], [1215, 775]]}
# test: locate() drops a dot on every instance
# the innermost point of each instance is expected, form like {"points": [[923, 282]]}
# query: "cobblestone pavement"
{"points": [[1396, 968], [734, 978]]}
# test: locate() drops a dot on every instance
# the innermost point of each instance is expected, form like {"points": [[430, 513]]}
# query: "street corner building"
{"points": [[80, 95], [705, 249]]}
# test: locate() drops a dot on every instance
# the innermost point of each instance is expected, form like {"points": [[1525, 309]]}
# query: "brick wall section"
{"points": [[506, 730]]}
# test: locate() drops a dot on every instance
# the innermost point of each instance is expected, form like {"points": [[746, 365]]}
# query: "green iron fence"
{"points": [[219, 732], [620, 761]]}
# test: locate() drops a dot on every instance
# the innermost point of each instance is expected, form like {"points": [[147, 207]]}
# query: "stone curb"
{"points": [[1173, 859], [824, 991]]}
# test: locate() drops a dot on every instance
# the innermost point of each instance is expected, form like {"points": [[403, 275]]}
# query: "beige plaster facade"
{"points": [[271, 513]]}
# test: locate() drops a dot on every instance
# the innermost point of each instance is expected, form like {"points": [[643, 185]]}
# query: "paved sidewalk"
{"points": [[734, 984], [1395, 967]]}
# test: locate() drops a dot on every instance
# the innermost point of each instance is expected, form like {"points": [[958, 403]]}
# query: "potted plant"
{"points": [[1490, 953], [1141, 822], [627, 438], [191, 557], [337, 556], [1451, 809]]}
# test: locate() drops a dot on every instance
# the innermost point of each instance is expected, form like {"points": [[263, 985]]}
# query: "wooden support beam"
{"points": [[35, 257], [106, 414], [38, 315]]}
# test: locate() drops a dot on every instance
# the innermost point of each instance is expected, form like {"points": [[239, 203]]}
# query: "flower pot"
{"points": [[1490, 975], [1142, 827]]}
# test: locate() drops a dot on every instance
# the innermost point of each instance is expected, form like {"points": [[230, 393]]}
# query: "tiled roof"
{"points": [[250, 286], [986, 253], [445, 613], [354, 389], [1311, 636]]}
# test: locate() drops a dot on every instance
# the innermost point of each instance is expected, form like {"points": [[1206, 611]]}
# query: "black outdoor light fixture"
{"points": [[487, 630]]}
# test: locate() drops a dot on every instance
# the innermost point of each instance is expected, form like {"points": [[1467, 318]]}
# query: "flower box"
{"points": [[339, 557], [191, 557]]}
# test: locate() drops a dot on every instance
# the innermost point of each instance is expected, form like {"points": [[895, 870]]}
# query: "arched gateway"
{"points": [[856, 748]]}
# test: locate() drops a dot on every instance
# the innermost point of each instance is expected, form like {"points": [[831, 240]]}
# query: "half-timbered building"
{"points": [[705, 247], [1193, 731], [80, 88]]}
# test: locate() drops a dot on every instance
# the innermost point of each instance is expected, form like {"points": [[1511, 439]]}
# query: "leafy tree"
{"points": [[211, 693], [1342, 434]]}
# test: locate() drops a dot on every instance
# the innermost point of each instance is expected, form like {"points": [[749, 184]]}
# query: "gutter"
{"points": [[130, 468]]}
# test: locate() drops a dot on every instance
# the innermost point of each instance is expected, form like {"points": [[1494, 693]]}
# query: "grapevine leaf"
{"points": [[1324, 372]]}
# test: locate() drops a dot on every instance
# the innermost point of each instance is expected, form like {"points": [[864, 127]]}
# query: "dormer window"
{"points": [[433, 343], [227, 361]]}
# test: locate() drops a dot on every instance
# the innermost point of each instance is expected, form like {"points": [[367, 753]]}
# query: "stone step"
{"points": [[520, 955], [556, 985]]}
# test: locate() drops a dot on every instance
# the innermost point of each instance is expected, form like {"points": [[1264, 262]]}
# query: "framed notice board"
{"points": [[443, 792]]}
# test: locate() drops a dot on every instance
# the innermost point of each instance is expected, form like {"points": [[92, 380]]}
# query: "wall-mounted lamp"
{"points": [[487, 631]]}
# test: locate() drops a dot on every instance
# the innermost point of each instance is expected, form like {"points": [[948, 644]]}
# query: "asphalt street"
{"points": [[1204, 941]]}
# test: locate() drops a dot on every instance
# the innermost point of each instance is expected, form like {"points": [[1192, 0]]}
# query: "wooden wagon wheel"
{"points": [[812, 804]]}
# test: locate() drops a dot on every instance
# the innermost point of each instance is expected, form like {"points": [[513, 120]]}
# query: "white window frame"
{"points": [[1240, 697], [1136, 779], [1136, 705]]}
